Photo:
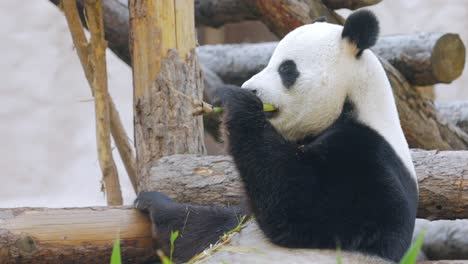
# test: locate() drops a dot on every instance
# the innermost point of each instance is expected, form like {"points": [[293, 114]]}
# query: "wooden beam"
{"points": [[442, 177], [86, 235], [74, 235], [423, 58], [166, 75]]}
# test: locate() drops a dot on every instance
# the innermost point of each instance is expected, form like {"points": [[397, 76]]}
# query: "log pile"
{"points": [[82, 235], [419, 118]]}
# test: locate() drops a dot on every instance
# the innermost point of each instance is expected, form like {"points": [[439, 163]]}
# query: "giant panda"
{"points": [[330, 168]]}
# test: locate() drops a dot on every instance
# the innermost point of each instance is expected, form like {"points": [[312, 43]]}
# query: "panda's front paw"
{"points": [[150, 202], [234, 99]]}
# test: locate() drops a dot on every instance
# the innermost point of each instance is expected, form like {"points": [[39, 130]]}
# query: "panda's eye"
{"points": [[288, 73]]}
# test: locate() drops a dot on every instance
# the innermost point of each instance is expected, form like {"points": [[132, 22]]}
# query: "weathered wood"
{"points": [[444, 239], [424, 58], [249, 246], [455, 112], [419, 119], [80, 42], [422, 126], [165, 74], [349, 4], [93, 57], [86, 235], [443, 184], [73, 235], [442, 177], [216, 13]]}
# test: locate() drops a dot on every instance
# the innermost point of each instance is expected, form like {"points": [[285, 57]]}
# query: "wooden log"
{"points": [[444, 239], [442, 176], [249, 246], [455, 112], [419, 118], [73, 235], [86, 235], [424, 58], [166, 77], [349, 4], [216, 13]]}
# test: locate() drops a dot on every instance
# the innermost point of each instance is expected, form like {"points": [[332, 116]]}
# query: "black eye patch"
{"points": [[288, 73]]}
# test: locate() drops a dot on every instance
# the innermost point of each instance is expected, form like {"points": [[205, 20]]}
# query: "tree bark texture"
{"points": [[86, 235], [442, 177], [421, 124], [166, 75], [73, 235], [455, 112]]}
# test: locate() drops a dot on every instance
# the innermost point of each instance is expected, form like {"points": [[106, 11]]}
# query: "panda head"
{"points": [[312, 72]]}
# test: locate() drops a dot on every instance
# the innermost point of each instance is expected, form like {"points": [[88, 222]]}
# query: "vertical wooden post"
{"points": [[162, 44]]}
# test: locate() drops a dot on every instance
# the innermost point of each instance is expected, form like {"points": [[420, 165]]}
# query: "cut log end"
{"points": [[448, 58]]}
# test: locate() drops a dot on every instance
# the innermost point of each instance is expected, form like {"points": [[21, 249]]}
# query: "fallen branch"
{"points": [[95, 64]]}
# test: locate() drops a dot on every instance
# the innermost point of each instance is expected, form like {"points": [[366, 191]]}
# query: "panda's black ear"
{"points": [[362, 29]]}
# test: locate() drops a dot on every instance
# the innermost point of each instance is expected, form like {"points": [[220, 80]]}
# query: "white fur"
{"points": [[329, 73]]}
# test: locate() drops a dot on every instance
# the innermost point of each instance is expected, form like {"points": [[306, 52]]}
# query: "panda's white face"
{"points": [[315, 69], [306, 79]]}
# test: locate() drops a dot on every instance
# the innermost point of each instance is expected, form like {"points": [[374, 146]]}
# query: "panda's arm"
{"points": [[266, 161]]}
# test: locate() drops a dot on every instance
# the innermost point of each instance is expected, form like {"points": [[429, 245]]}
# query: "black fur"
{"points": [[361, 28], [198, 226], [345, 186], [288, 73], [320, 19]]}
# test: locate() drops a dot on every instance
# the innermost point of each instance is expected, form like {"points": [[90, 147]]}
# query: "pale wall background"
{"points": [[47, 136]]}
